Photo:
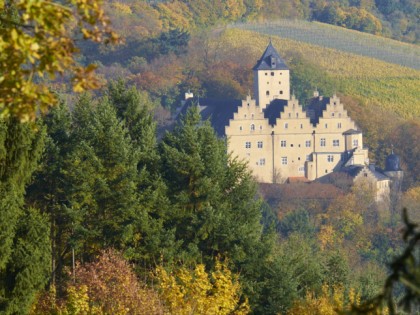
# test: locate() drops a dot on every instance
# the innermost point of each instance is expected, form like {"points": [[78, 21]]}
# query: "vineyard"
{"points": [[341, 39], [372, 81]]}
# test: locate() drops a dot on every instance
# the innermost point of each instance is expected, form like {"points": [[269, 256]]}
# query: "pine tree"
{"points": [[101, 175], [49, 189], [214, 206], [24, 240]]}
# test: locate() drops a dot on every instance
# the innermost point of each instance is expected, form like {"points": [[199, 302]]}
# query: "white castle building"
{"points": [[283, 142]]}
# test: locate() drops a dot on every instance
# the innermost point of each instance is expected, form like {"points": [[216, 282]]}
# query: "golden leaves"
{"points": [[38, 43], [197, 292]]}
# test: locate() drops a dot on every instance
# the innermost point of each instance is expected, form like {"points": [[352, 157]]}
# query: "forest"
{"points": [[110, 206]]}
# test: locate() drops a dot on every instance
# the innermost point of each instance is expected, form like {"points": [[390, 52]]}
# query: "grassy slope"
{"points": [[339, 38], [372, 81]]}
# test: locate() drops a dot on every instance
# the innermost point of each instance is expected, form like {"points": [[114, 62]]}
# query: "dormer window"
{"points": [[273, 62]]}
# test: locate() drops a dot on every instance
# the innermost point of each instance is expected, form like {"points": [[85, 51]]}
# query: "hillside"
{"points": [[342, 39], [372, 81]]}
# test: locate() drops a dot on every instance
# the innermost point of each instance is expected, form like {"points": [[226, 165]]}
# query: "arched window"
{"points": [[267, 93], [252, 127]]}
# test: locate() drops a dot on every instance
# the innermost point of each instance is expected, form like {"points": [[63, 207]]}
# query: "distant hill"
{"points": [[342, 39]]}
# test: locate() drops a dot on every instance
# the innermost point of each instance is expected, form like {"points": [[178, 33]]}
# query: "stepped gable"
{"points": [[270, 60], [272, 112], [218, 111], [316, 107]]}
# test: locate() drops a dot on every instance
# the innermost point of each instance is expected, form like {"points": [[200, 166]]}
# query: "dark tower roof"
{"points": [[270, 60], [392, 163]]}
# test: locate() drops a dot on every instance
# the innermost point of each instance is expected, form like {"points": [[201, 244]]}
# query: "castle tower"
{"points": [[393, 171], [271, 78]]}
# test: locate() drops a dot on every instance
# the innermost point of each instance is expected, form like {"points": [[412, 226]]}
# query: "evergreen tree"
{"points": [[214, 206], [49, 190], [134, 108], [101, 173], [24, 240]]}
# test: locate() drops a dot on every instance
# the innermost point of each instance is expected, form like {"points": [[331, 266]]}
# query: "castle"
{"points": [[283, 142]]}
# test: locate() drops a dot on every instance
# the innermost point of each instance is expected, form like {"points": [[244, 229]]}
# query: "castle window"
{"points": [[308, 143], [323, 142], [332, 114], [245, 116], [336, 143], [339, 125], [291, 145], [281, 92], [284, 160], [268, 82], [279, 82], [286, 125], [298, 158], [326, 126], [301, 126], [330, 158], [283, 143], [281, 73], [297, 114], [335, 103], [301, 169], [266, 73], [252, 116], [260, 127], [290, 115], [355, 142], [252, 127], [262, 162], [365, 174], [267, 93], [260, 144], [240, 128], [248, 145], [272, 73]]}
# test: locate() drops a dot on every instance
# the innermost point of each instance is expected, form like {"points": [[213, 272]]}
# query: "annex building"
{"points": [[284, 142]]}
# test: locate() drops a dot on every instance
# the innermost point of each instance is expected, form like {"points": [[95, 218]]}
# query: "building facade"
{"points": [[280, 140]]}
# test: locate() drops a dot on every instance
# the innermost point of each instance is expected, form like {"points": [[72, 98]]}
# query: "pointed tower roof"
{"points": [[270, 60]]}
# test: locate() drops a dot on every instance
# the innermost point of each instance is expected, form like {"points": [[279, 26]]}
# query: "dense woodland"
{"points": [[110, 206]]}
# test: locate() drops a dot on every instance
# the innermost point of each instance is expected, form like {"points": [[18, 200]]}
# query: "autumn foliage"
{"points": [[187, 291]]}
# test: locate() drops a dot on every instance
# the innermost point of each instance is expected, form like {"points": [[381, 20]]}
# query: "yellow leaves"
{"points": [[40, 42], [196, 292], [327, 237], [329, 302], [78, 300]]}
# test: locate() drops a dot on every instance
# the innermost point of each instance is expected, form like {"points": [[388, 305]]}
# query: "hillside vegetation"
{"points": [[339, 38], [391, 18], [372, 81]]}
